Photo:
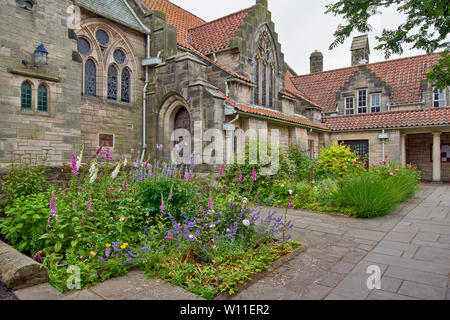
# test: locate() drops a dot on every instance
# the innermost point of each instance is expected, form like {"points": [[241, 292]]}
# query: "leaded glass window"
{"points": [[439, 98], [256, 70], [112, 83], [126, 80], [264, 72], [102, 37], [362, 101], [90, 78], [83, 46], [42, 98], [119, 56], [26, 96]]}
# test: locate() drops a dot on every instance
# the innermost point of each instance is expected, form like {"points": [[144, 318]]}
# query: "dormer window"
{"points": [[263, 72], [375, 102], [349, 105], [439, 98], [362, 101]]}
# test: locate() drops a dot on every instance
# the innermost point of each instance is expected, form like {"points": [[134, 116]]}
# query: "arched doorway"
{"points": [[182, 120]]}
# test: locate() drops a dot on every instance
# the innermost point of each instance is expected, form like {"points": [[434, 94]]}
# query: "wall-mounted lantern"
{"points": [[40, 55]]}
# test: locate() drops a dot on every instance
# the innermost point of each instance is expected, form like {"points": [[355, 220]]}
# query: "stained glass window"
{"points": [[270, 86], [264, 68], [102, 37], [126, 79], [112, 83], [256, 70], [83, 46], [264, 76], [42, 98], [26, 96], [119, 56], [90, 78]]}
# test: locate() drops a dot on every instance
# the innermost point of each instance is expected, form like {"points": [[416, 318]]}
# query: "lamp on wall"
{"points": [[40, 55]]}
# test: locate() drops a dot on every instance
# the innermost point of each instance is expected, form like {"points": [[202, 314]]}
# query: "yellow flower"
{"points": [[123, 246], [92, 253], [108, 245]]}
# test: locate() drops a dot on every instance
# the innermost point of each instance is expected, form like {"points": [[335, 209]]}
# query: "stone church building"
{"points": [[125, 73]]}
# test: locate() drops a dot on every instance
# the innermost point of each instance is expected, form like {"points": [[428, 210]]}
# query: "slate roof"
{"points": [[402, 75], [389, 120], [115, 10], [216, 35]]}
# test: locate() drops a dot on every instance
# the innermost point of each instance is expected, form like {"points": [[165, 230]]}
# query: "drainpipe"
{"points": [[144, 92]]}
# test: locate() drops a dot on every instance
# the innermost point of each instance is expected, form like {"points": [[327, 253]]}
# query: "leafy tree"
{"points": [[426, 27]]}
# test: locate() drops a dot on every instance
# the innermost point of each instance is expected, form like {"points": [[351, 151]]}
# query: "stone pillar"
{"points": [[436, 156], [403, 149], [229, 146]]}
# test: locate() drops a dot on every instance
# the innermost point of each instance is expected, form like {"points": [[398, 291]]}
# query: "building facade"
{"points": [[126, 73]]}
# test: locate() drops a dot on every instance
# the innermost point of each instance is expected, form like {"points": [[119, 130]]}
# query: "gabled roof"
{"points": [[216, 35], [395, 119], [115, 10], [178, 17], [402, 75], [276, 115], [293, 92]]}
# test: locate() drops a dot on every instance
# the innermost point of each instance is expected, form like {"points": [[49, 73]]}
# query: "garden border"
{"points": [[18, 271], [270, 269]]}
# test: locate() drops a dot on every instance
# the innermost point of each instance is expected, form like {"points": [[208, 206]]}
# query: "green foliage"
{"points": [[303, 164], [426, 27], [337, 161], [25, 222], [23, 180], [377, 192], [151, 191]]}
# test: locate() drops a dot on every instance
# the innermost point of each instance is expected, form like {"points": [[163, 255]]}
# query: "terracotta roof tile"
{"points": [[183, 20], [385, 120], [402, 75], [275, 115], [180, 18], [292, 91], [216, 35]]}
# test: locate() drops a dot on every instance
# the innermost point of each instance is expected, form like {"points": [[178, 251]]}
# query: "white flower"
{"points": [[116, 171], [228, 230], [212, 225], [246, 223], [282, 185], [93, 171], [80, 157], [125, 162], [244, 200], [290, 191], [191, 236]]}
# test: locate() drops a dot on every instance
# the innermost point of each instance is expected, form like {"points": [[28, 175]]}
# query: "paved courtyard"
{"points": [[411, 247]]}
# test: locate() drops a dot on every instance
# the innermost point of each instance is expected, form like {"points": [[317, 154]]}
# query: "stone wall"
{"points": [[29, 132], [392, 145], [419, 148]]}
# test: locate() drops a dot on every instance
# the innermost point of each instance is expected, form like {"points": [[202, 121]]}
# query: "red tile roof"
{"points": [[183, 20], [402, 75], [395, 119], [293, 92], [216, 35], [180, 18], [275, 115]]}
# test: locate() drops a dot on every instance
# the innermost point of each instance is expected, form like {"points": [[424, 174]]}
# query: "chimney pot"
{"points": [[316, 62]]}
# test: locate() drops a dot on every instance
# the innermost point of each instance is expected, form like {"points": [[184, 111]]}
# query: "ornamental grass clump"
{"points": [[376, 192]]}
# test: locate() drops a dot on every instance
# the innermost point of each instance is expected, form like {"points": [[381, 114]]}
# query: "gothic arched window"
{"points": [[182, 121], [42, 98], [263, 72], [112, 83], [26, 96], [90, 78], [126, 87]]}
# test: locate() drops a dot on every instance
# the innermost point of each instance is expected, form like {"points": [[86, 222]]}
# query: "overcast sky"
{"points": [[302, 27]]}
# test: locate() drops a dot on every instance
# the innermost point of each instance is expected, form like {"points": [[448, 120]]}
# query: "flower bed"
{"points": [[155, 217]]}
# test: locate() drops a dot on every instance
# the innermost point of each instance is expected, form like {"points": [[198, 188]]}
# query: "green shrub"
{"points": [[22, 180], [303, 164], [25, 222], [337, 161], [376, 192]]}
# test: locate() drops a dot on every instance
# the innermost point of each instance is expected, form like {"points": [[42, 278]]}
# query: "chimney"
{"points": [[262, 2], [316, 62], [360, 50]]}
